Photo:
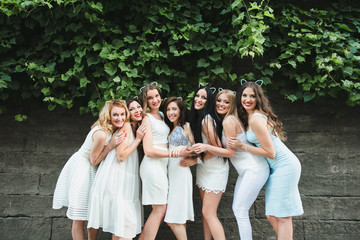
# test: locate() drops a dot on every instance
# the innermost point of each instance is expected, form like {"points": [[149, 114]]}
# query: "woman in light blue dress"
{"points": [[282, 197]]}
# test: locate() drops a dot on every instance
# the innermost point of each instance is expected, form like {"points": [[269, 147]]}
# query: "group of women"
{"points": [[218, 129]]}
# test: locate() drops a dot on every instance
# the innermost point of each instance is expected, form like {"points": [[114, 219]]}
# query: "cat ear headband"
{"points": [[259, 82], [212, 89], [153, 83], [220, 89]]}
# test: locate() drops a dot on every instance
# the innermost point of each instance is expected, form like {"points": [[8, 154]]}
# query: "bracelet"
{"points": [[246, 147]]}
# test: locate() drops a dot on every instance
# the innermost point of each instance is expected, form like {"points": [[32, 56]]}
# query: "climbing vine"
{"points": [[73, 53]]}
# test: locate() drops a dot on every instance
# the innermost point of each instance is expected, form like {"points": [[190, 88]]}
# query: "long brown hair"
{"points": [[144, 96], [263, 105], [183, 111]]}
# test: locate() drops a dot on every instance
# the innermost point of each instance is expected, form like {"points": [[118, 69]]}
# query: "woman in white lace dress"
{"points": [[212, 173], [76, 178]]}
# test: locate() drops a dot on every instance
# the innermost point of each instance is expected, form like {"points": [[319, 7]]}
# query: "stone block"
{"points": [[19, 183], [313, 142], [34, 163], [317, 208], [25, 228], [334, 230], [330, 185], [346, 208], [61, 229], [27, 205], [16, 142], [47, 184], [53, 142]]}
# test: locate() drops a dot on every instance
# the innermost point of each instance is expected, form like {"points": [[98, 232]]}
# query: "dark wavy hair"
{"points": [[263, 105], [197, 116], [128, 102], [183, 112]]}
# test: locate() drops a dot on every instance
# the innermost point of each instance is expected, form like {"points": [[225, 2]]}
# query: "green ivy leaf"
{"points": [[202, 63], [110, 68]]}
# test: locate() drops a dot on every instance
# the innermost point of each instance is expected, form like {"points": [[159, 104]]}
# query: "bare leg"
{"points": [[206, 229], [211, 202], [153, 222], [179, 230], [285, 228], [92, 233], [77, 230], [274, 222]]}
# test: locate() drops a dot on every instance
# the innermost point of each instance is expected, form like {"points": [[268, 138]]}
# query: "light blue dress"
{"points": [[282, 197]]}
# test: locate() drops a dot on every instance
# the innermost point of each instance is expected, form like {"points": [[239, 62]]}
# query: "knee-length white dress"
{"points": [[153, 171], [75, 181], [180, 198], [115, 197]]}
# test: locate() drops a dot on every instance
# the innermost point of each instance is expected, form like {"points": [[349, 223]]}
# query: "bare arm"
{"points": [[230, 127], [210, 134], [99, 150], [124, 150], [260, 127]]}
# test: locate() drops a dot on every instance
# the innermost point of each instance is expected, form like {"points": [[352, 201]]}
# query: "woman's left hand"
{"points": [[140, 132]]}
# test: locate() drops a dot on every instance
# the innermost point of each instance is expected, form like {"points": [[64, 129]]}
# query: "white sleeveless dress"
{"points": [[243, 160], [115, 197], [75, 181], [212, 174], [153, 171], [180, 199]]}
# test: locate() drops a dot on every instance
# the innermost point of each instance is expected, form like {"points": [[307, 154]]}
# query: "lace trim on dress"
{"points": [[207, 190]]}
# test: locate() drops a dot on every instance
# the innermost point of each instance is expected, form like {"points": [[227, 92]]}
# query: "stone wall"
{"points": [[325, 137]]}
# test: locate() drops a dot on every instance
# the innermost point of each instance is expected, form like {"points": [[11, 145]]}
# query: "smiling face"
{"points": [[153, 99], [200, 99], [173, 112], [135, 110], [118, 117], [248, 99], [222, 104]]}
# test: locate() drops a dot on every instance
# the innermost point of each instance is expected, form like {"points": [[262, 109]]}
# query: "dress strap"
{"points": [[238, 123], [260, 115]]}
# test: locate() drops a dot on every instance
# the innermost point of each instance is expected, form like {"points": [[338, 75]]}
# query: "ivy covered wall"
{"points": [[73, 53]]}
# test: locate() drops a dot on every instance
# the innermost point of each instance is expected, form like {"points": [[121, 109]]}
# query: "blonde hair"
{"points": [[232, 102], [104, 120]]}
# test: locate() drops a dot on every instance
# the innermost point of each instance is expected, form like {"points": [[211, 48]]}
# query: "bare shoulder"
{"points": [[99, 134]]}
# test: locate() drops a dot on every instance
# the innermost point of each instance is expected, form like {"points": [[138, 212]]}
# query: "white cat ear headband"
{"points": [[153, 83], [220, 89], [212, 89], [259, 82]]}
